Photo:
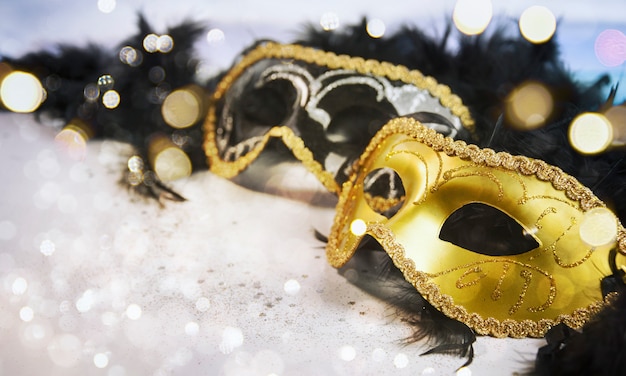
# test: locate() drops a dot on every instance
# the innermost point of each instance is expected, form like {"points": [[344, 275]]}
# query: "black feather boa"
{"points": [[482, 70]]}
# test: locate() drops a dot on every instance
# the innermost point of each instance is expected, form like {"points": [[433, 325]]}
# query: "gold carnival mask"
{"points": [[324, 107], [519, 293]]}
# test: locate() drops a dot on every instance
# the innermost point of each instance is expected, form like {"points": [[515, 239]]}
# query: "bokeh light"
{"points": [[165, 44], [168, 161], [347, 353], [590, 133], [130, 56], [358, 227], [375, 28], [610, 47], [291, 287], [215, 36], [107, 6], [472, 17], [598, 227], [529, 106], [537, 24], [105, 82], [72, 139], [150, 43], [135, 164], [101, 360], [184, 107], [111, 99], [329, 21], [21, 92], [91, 92]]}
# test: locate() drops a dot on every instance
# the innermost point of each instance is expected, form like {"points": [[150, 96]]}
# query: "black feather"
{"points": [[376, 274]]}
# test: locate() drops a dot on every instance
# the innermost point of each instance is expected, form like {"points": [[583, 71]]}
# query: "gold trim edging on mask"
{"points": [[518, 295], [329, 60]]}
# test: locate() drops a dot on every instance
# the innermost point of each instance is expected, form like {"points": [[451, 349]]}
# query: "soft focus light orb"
{"points": [[21, 92], [165, 44], [111, 99], [27, 314], [106, 82], [203, 304], [464, 371], [610, 47], [375, 28], [401, 360], [590, 133], [19, 286], [47, 247], [291, 287], [472, 17], [329, 21], [232, 337], [347, 353], [65, 350], [101, 360], [135, 164], [133, 312], [598, 227], [130, 56], [150, 43], [192, 328], [529, 106], [91, 92], [182, 108], [72, 139], [107, 6], [358, 227], [215, 36], [172, 163], [537, 24]]}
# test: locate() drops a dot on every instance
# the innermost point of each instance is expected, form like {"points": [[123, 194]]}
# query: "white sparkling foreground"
{"points": [[97, 281]]}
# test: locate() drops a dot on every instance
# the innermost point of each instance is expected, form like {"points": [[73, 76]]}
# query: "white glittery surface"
{"points": [[97, 281]]}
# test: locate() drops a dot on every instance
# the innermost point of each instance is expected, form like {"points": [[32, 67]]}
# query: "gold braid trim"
{"points": [[293, 142], [420, 280], [483, 326]]}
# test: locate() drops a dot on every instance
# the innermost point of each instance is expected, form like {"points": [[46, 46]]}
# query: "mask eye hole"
{"points": [[486, 230], [383, 191]]}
